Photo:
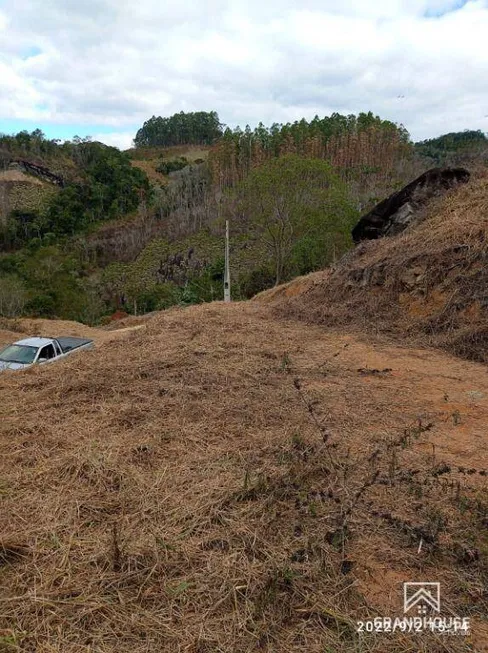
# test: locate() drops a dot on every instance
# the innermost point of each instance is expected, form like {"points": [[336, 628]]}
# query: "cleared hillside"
{"points": [[225, 480], [428, 285], [21, 192], [149, 159]]}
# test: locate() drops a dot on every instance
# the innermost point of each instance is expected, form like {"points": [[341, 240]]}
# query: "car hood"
{"points": [[5, 365]]}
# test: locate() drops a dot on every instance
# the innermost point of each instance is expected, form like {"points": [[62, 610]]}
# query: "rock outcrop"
{"points": [[395, 213], [37, 170]]}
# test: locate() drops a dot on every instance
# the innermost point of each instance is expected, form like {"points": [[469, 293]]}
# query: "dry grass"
{"points": [[129, 321], [191, 152], [7, 336], [20, 328], [9, 176], [223, 481], [149, 167], [428, 285], [148, 159]]}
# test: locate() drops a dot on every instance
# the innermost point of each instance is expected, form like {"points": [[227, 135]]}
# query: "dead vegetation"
{"points": [[13, 329], [149, 158], [8, 176], [222, 481], [428, 285]]}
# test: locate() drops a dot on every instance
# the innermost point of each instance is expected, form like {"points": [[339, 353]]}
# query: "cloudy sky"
{"points": [[102, 67]]}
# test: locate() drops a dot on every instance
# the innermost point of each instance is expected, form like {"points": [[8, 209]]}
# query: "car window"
{"points": [[47, 353], [18, 354]]}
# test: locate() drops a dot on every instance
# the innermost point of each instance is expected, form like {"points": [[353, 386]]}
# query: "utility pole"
{"points": [[227, 268]]}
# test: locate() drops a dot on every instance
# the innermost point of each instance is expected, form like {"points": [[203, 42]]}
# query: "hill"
{"points": [[258, 476], [428, 285], [94, 181], [370, 156], [468, 147], [225, 480], [142, 230]]}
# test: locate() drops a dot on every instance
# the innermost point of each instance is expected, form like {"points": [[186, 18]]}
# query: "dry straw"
{"points": [[226, 481], [428, 286]]}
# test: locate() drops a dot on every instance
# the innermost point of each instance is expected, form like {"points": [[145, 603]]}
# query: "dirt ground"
{"points": [[224, 480], [427, 285]]}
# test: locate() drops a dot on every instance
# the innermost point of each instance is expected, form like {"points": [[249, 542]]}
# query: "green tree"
{"points": [[198, 128], [100, 183], [54, 284], [13, 296], [293, 201], [454, 148]]}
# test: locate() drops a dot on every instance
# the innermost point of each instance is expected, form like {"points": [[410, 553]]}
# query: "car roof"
{"points": [[34, 342]]}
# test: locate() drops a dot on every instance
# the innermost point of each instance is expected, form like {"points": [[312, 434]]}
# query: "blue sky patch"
{"points": [[31, 52], [437, 13], [63, 132]]}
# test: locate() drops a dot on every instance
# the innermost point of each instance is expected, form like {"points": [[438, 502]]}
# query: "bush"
{"points": [[208, 286], [165, 167], [42, 305], [10, 264], [256, 281], [158, 297], [318, 250], [13, 296]]}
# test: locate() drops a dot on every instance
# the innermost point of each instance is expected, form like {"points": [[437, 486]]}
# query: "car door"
{"points": [[46, 354]]}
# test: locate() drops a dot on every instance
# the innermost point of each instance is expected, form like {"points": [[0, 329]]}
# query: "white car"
{"points": [[33, 351]]}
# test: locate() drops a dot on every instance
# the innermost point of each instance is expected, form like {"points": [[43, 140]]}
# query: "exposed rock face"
{"points": [[395, 213], [37, 170]]}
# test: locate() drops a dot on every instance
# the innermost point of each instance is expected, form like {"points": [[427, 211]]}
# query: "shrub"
{"points": [[255, 281], [42, 305], [165, 167], [13, 296]]}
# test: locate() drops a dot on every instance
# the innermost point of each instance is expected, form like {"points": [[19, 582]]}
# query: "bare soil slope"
{"points": [[428, 285], [225, 481]]}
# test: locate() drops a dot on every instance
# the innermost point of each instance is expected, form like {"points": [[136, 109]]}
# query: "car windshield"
{"points": [[18, 354]]}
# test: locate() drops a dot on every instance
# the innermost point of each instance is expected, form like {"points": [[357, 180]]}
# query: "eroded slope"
{"points": [[428, 285]]}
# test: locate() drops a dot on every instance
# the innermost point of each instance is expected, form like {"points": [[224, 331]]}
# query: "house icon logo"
{"points": [[424, 596]]}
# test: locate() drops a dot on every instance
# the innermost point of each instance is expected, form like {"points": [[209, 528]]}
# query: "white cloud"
{"points": [[122, 140], [116, 63]]}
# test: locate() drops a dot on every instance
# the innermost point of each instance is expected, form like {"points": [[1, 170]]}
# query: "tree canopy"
{"points": [[196, 128], [453, 147], [292, 191], [300, 209], [364, 142], [100, 184]]}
